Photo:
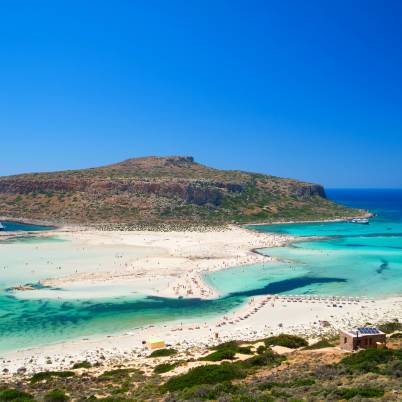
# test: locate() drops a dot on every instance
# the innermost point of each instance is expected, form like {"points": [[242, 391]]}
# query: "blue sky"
{"points": [[304, 89]]}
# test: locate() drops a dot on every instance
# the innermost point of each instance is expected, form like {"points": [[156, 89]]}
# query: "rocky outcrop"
{"points": [[193, 191], [199, 192], [310, 191]]}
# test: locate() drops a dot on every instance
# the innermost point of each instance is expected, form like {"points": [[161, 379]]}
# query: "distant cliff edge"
{"points": [[163, 190]]}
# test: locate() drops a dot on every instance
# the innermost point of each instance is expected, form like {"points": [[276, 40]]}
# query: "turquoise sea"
{"points": [[349, 258], [18, 227], [327, 259]]}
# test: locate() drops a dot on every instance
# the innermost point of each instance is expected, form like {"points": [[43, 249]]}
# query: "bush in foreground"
{"points": [[349, 393], [85, 364], [224, 354], [11, 394], [56, 396], [268, 358], [46, 375], [390, 327], [288, 341], [235, 346], [124, 373], [227, 351], [164, 368], [209, 374], [163, 353], [370, 360], [222, 392]]}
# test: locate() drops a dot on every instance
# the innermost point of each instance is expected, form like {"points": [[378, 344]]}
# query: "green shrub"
{"points": [[303, 382], [85, 364], [164, 368], [56, 396], [280, 394], [11, 394], [390, 327], [224, 354], [227, 345], [208, 391], [349, 393], [227, 351], [261, 349], [122, 373], [270, 385], [45, 375], [268, 358], [209, 374], [163, 353], [397, 335], [288, 341], [393, 369], [245, 350], [369, 360]]}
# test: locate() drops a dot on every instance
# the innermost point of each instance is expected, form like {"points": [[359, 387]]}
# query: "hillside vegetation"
{"points": [[163, 190], [252, 373]]}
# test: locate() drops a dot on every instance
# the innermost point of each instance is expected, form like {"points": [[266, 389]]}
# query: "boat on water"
{"points": [[2, 228], [361, 221]]}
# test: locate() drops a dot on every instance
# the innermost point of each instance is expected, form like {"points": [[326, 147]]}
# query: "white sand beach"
{"points": [[167, 264], [170, 264], [262, 316]]}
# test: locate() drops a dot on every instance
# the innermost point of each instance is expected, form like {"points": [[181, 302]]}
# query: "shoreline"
{"points": [[310, 317], [345, 219], [302, 316], [151, 228]]}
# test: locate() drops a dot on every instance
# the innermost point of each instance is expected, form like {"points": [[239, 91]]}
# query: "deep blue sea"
{"points": [[18, 227], [349, 259]]}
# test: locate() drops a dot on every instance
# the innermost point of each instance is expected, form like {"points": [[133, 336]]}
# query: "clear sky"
{"points": [[304, 89]]}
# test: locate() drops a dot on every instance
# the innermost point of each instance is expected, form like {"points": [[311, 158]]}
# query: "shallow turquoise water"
{"points": [[353, 260], [26, 323], [367, 259]]}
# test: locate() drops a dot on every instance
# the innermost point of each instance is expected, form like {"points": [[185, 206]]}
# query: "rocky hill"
{"points": [[163, 190]]}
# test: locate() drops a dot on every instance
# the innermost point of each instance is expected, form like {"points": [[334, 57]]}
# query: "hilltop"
{"points": [[163, 191]]}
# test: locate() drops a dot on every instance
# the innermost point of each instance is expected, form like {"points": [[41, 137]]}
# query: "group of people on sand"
{"points": [[192, 286]]}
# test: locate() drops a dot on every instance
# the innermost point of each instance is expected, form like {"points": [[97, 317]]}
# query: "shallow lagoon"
{"points": [[367, 259], [355, 260]]}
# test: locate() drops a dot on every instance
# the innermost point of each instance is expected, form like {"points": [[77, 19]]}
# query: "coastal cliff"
{"points": [[163, 190]]}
